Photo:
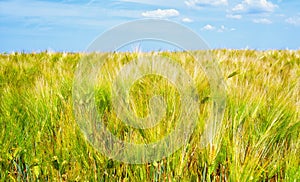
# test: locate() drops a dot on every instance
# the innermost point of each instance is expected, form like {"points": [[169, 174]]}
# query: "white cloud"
{"points": [[255, 6], [159, 13], [196, 3], [223, 28], [293, 21], [234, 16], [187, 20], [208, 27], [239, 7], [262, 21]]}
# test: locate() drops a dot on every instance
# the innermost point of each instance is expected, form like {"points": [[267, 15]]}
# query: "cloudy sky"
{"points": [[71, 25]]}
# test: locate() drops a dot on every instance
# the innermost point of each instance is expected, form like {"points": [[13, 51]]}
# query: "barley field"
{"points": [[259, 139]]}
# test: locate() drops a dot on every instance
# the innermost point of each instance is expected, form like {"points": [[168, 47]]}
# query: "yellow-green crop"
{"points": [[259, 140]]}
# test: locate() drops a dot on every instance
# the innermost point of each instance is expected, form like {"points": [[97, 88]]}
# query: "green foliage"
{"points": [[259, 141]]}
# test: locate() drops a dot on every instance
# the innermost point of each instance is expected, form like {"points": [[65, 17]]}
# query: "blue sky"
{"points": [[71, 25]]}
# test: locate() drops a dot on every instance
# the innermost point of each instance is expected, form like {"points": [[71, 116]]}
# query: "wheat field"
{"points": [[259, 138]]}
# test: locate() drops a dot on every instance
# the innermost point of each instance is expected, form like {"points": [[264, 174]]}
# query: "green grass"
{"points": [[260, 138]]}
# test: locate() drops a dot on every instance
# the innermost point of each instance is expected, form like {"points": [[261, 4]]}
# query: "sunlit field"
{"points": [[259, 138]]}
